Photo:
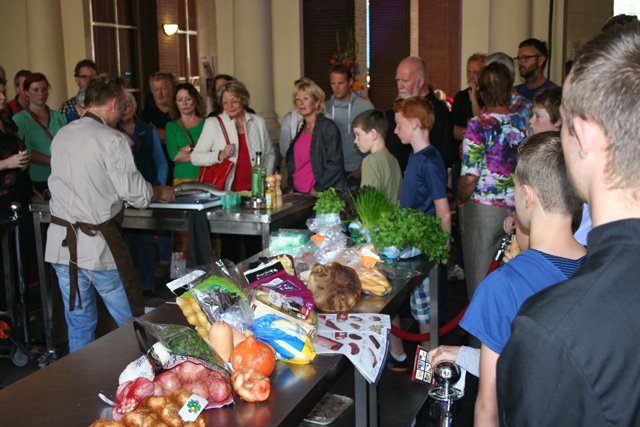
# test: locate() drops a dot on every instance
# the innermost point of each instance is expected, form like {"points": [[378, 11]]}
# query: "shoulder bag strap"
{"points": [[186, 132], [224, 130], [44, 128]]}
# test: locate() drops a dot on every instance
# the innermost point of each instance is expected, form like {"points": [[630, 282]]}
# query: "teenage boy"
{"points": [[572, 358], [545, 204], [380, 169], [424, 188]]}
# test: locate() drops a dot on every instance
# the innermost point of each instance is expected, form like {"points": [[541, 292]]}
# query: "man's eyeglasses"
{"points": [[525, 57]]}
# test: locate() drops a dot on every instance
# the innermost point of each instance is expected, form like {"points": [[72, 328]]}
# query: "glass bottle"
{"points": [[269, 194], [258, 174]]}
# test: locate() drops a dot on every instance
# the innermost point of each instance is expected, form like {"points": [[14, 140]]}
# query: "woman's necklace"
{"points": [[308, 127]]}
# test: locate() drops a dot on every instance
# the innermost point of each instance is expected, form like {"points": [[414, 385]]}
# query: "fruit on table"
{"points": [[255, 354], [374, 282]]}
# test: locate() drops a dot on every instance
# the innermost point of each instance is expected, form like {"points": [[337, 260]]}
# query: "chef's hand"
{"points": [[443, 352], [163, 193]]}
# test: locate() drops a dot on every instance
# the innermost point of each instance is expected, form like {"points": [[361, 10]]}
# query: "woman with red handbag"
{"points": [[227, 147]]}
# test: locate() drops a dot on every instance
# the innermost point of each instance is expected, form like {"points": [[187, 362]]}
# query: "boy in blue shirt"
{"points": [[545, 206], [424, 188]]}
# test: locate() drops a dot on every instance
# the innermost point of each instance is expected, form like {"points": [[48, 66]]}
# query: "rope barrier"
{"points": [[453, 324]]}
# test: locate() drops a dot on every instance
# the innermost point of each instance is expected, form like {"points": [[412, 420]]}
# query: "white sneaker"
{"points": [[455, 273]]}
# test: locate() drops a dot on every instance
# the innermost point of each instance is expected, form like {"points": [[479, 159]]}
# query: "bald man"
{"points": [[411, 80]]}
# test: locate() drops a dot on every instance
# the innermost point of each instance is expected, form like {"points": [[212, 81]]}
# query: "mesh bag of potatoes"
{"points": [[156, 411]]}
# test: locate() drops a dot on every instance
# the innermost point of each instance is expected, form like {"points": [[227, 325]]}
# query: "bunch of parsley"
{"points": [[328, 202], [405, 227]]}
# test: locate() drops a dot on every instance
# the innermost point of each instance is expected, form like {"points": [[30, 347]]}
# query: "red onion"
{"points": [[189, 372], [219, 389], [197, 387], [169, 381]]}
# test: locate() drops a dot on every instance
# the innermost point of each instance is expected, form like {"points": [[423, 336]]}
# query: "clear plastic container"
{"points": [[328, 409]]}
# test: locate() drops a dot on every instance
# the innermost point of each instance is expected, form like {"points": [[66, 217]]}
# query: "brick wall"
{"points": [[389, 44], [439, 43], [321, 20], [167, 12]]}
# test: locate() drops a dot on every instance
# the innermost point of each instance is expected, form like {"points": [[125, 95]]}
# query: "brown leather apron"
{"points": [[112, 232]]}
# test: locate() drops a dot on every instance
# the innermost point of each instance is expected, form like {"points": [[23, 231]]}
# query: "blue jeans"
{"points": [[143, 241], [81, 322], [164, 247]]}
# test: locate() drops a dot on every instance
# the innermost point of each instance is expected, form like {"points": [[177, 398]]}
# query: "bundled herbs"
{"points": [[370, 203], [328, 202], [404, 227]]}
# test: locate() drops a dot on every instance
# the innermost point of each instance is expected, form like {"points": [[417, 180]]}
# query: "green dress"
{"points": [[175, 140], [36, 138]]}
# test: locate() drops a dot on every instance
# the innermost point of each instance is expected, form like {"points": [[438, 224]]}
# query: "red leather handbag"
{"points": [[217, 174]]}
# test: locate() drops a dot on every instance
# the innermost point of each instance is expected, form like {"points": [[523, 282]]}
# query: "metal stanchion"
{"points": [[446, 374], [20, 355]]}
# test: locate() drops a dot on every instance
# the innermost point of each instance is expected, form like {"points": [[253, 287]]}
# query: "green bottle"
{"points": [[258, 175]]}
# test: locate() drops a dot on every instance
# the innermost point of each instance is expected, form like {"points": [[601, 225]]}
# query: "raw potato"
{"points": [[194, 315], [104, 422], [155, 411]]}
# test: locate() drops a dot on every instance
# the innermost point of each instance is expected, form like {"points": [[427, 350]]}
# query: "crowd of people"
{"points": [[495, 154]]}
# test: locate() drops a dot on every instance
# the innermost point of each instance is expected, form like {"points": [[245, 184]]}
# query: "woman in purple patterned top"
{"points": [[489, 157]]}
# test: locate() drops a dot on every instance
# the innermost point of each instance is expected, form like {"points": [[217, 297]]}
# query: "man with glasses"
{"points": [[73, 107], [532, 59]]}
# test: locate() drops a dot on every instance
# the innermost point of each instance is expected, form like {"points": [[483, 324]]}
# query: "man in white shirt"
{"points": [[93, 175]]}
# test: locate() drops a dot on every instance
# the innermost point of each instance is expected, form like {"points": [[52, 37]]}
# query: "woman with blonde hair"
{"points": [[235, 134], [314, 159]]}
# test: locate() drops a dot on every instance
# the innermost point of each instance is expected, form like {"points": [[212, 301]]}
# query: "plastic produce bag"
{"points": [[290, 341], [214, 293], [175, 357], [177, 339]]}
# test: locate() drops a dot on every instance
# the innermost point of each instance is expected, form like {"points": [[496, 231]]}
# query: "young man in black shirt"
{"points": [[573, 354]]}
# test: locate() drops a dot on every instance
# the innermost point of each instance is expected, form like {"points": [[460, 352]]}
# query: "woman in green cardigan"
{"points": [[187, 111]]}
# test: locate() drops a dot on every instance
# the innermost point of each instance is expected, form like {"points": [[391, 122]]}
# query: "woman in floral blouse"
{"points": [[489, 157]]}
